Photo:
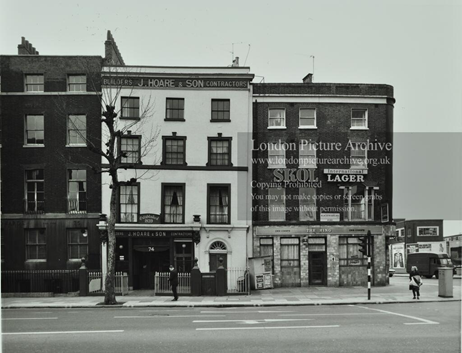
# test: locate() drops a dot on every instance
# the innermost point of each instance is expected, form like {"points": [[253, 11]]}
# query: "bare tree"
{"points": [[114, 157]]}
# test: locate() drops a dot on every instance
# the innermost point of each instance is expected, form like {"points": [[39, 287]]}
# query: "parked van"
{"points": [[428, 262]]}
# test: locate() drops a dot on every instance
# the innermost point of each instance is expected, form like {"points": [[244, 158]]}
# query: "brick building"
{"points": [[51, 191], [322, 178]]}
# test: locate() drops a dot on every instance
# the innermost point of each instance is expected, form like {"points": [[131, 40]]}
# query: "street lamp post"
{"points": [[102, 226]]}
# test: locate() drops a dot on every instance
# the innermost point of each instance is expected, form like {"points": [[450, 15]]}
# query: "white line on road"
{"points": [[262, 328], [424, 321], [246, 312], [250, 321], [61, 332], [29, 318], [163, 316], [345, 314]]}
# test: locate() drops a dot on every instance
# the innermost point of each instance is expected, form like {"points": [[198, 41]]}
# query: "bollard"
{"points": [[196, 280], [445, 289], [83, 279], [221, 281]]}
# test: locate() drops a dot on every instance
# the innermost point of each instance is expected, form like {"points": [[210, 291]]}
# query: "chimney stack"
{"points": [[236, 62], [25, 48], [308, 78]]}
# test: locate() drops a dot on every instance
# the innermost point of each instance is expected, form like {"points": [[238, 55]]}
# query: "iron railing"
{"points": [[37, 281], [238, 280], [95, 280], [162, 285]]}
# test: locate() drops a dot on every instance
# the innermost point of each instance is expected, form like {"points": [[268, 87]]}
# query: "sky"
{"points": [[413, 45]]}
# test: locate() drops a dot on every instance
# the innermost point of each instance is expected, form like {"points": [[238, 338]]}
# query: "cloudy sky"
{"points": [[413, 45]]}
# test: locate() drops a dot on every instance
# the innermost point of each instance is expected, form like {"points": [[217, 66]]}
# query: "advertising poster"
{"points": [[397, 256]]}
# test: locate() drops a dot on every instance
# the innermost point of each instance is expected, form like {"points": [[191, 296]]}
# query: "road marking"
{"points": [[30, 318], [423, 321], [244, 321], [61, 332], [262, 328], [163, 316], [246, 312], [345, 314]]}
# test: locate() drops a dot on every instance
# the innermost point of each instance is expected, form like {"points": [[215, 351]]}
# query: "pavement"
{"points": [[396, 292]]}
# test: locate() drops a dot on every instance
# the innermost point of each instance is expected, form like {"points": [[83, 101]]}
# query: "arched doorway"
{"points": [[216, 250]]}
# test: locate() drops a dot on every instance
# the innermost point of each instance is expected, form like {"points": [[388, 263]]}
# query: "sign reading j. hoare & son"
{"points": [[169, 82], [345, 175]]}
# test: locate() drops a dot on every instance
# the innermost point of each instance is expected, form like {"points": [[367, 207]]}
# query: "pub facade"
{"points": [[322, 179], [184, 190]]}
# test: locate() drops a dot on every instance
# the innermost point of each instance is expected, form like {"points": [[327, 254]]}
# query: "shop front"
{"points": [[143, 253], [321, 255]]}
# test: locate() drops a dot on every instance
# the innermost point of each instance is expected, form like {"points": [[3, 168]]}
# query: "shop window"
{"points": [[349, 254], [219, 151], [307, 117], [77, 130], [174, 109], [77, 191], [35, 244], [173, 203], [276, 118], [129, 203], [307, 155], [276, 204], [34, 130], [218, 204], [183, 255], [358, 118], [77, 243], [174, 151], [130, 108], [130, 148], [220, 110], [35, 191], [276, 155], [307, 204], [34, 83], [77, 83]]}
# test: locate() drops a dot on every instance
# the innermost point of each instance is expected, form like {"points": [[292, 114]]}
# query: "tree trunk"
{"points": [[109, 298]]}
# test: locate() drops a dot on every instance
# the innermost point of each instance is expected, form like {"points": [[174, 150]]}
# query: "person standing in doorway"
{"points": [[173, 279], [415, 282]]}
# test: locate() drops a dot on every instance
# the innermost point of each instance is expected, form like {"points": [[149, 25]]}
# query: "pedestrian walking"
{"points": [[415, 281], [173, 279]]}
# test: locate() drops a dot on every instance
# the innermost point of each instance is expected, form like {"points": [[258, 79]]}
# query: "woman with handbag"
{"points": [[415, 281]]}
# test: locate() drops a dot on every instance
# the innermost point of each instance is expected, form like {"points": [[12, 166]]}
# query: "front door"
{"points": [[317, 268], [148, 263], [215, 263]]}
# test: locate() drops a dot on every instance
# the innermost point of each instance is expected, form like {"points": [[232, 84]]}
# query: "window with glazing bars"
{"points": [[77, 83], [130, 149], [77, 197], [221, 109], [174, 109], [77, 130], [34, 83], [129, 203], [220, 152], [173, 204], [35, 131], [219, 204], [35, 190], [35, 244], [77, 243], [130, 108], [174, 151]]}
